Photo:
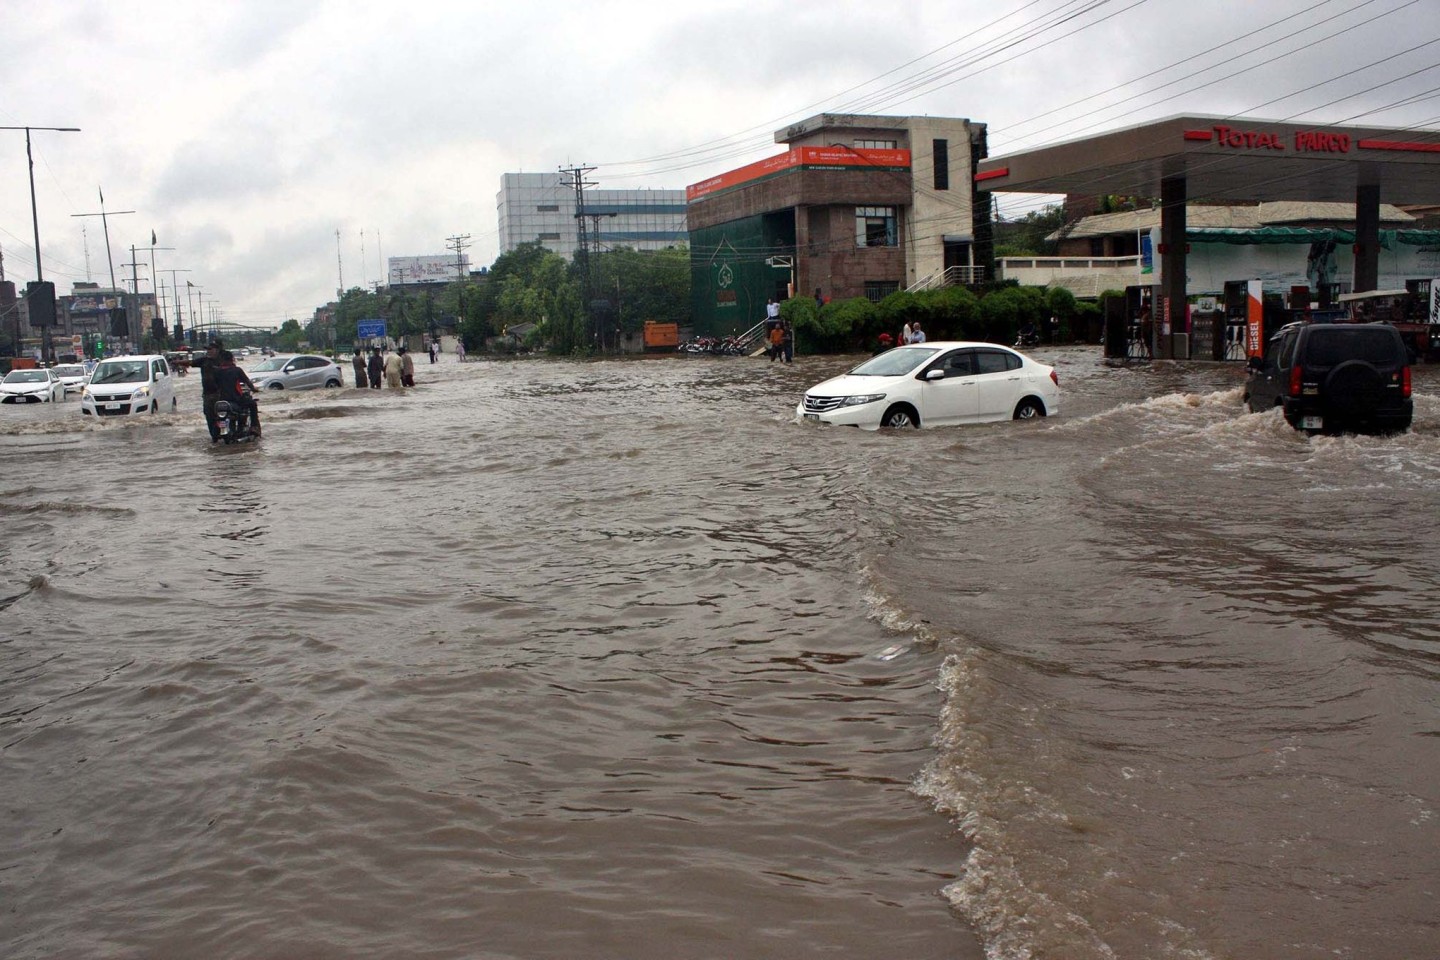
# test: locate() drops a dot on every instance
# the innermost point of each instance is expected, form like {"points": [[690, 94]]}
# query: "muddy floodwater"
{"points": [[550, 659]]}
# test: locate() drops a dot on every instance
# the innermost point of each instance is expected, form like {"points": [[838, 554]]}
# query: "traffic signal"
{"points": [[40, 303], [99, 348], [119, 323], [157, 328]]}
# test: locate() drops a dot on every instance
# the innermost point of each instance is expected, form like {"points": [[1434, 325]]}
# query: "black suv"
{"points": [[1333, 377]]}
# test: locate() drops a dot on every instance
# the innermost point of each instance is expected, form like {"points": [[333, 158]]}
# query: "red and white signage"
{"points": [[809, 158]]}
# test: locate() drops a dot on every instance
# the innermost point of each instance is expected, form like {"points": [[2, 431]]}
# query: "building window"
{"points": [[875, 227], [876, 144], [548, 208], [942, 163], [877, 290], [549, 236]]}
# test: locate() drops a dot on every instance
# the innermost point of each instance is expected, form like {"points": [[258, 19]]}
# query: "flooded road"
{"points": [[550, 659]]}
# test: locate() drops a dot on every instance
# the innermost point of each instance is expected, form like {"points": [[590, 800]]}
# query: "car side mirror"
{"points": [[1255, 363], [288, 370], [936, 374]]}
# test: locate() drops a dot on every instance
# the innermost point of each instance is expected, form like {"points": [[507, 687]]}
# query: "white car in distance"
{"points": [[936, 384], [72, 377]]}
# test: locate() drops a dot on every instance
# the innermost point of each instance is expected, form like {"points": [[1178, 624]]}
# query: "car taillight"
{"points": [[1404, 381], [1297, 376], [1056, 377]]}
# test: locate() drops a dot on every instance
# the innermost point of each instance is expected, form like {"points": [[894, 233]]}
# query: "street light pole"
{"points": [[35, 220]]}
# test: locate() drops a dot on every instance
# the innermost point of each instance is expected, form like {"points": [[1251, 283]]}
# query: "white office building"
{"points": [[538, 206]]}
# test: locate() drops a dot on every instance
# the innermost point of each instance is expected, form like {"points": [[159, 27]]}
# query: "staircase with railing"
{"points": [[949, 277]]}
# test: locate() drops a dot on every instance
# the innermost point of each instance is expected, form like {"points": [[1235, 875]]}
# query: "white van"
{"points": [[124, 385]]}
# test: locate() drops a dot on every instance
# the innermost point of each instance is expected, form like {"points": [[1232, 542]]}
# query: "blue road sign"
{"points": [[370, 329]]}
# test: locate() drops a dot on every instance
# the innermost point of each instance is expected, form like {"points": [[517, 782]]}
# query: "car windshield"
{"points": [[75, 371], [121, 371], [894, 363], [1377, 345], [25, 376], [271, 365]]}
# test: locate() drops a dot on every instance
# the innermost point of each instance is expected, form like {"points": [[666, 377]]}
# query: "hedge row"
{"points": [[948, 313]]}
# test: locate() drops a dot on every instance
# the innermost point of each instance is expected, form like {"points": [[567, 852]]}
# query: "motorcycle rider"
{"points": [[228, 378], [209, 390]]}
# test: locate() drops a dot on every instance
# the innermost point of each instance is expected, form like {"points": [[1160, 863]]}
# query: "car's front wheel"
{"points": [[900, 416], [1029, 409]]}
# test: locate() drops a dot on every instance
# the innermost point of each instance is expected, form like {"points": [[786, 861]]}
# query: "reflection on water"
{"points": [[611, 659]]}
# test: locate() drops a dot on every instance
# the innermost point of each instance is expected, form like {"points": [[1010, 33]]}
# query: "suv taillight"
{"points": [[1405, 381], [1056, 377], [1297, 377]]}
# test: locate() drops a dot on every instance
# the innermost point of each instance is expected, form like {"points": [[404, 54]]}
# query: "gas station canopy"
{"points": [[1229, 159]]}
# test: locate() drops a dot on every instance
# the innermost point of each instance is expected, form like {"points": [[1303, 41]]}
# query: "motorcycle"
{"points": [[1027, 340], [232, 421]]}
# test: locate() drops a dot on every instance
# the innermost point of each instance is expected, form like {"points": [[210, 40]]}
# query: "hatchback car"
{"points": [[936, 384], [72, 377], [296, 372], [31, 386], [1329, 377], [125, 385]]}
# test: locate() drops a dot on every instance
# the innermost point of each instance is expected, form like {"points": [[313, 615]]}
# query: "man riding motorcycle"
{"points": [[209, 391], [228, 381]]}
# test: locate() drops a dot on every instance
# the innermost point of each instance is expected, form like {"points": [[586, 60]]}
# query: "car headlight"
{"points": [[862, 398], [140, 392]]}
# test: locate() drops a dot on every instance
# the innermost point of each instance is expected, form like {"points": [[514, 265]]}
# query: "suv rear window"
{"points": [[1374, 345]]}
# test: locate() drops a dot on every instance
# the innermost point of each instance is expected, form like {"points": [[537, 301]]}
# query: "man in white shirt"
{"points": [[772, 309], [916, 334]]}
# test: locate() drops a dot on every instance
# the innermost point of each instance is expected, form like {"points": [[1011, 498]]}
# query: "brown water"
{"points": [[614, 660]]}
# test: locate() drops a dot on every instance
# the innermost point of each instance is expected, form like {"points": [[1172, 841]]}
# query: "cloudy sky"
{"points": [[245, 134]]}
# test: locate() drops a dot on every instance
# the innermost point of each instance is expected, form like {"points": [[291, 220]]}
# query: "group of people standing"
{"points": [[396, 369]]}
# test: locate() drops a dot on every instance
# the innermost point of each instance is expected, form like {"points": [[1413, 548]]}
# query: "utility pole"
{"points": [[339, 268], [459, 243], [105, 221], [576, 180], [175, 291], [134, 271]]}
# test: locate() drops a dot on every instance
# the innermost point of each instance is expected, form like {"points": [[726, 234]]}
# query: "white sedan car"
{"points": [[31, 386], [72, 377], [936, 384]]}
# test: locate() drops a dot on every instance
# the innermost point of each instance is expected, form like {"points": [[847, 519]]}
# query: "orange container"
{"points": [[661, 334]]}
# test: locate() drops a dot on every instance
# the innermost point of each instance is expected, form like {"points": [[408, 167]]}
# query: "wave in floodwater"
{"points": [[613, 659]]}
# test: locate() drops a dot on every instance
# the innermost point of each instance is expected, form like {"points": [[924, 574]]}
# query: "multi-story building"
{"points": [[857, 206], [539, 207]]}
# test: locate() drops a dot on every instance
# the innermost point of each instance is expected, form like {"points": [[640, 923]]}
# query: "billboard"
{"points": [[440, 269]]}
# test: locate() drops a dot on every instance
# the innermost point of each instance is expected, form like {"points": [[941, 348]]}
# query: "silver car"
{"points": [[296, 371]]}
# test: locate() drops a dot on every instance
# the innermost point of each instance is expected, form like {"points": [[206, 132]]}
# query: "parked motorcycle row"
{"points": [[715, 346]]}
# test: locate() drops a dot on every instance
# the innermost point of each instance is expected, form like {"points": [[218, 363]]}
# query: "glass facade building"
{"points": [[538, 206]]}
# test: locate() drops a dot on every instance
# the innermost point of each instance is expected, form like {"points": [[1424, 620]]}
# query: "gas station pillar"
{"points": [[1367, 237], [1170, 307]]}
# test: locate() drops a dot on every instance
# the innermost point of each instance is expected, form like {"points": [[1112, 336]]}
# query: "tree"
{"points": [[289, 336], [1026, 237]]}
